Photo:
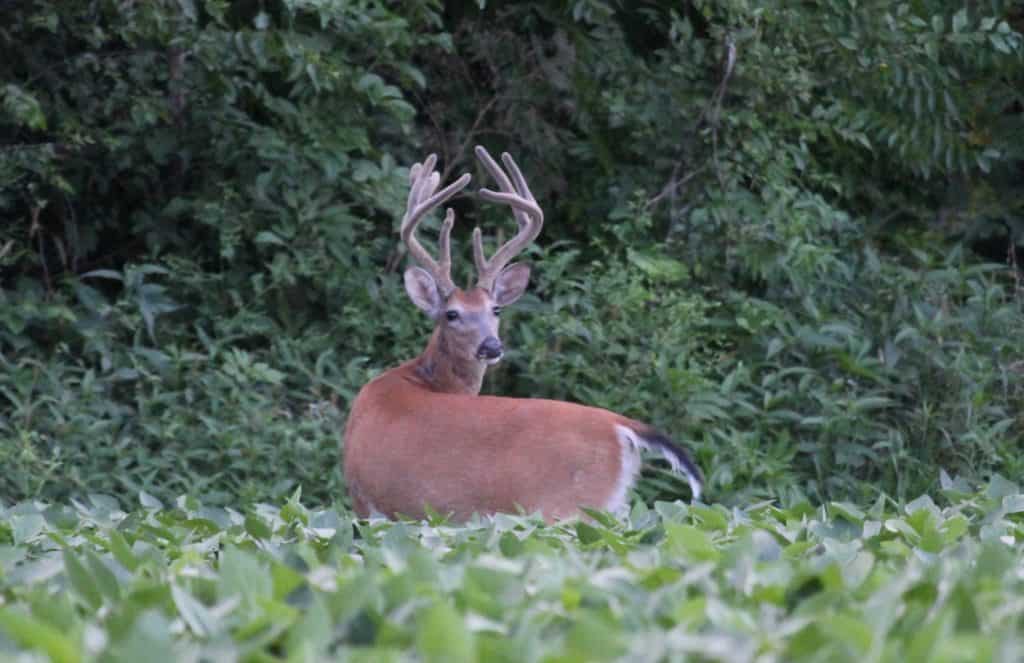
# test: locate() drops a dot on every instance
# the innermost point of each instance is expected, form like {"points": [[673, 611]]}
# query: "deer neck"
{"points": [[442, 370]]}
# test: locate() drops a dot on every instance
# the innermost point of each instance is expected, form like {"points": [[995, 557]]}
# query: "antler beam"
{"points": [[423, 199], [516, 194]]}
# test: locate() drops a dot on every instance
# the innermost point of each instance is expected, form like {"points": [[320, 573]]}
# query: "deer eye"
{"points": [[452, 315], [496, 310]]}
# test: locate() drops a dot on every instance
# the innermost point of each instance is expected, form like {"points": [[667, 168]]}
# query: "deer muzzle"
{"points": [[490, 350]]}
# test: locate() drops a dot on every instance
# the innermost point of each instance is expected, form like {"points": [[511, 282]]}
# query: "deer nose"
{"points": [[490, 349]]}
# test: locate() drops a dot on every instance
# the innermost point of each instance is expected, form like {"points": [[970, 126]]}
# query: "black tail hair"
{"points": [[678, 457]]}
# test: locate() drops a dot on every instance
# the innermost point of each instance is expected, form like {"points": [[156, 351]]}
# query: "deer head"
{"points": [[467, 320]]}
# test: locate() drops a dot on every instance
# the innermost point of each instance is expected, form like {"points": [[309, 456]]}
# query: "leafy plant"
{"points": [[919, 580], [768, 232]]}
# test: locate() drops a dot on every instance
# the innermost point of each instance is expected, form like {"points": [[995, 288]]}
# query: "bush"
{"points": [[759, 236]]}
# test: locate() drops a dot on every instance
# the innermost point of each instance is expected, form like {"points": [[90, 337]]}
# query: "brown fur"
{"points": [[408, 446], [420, 435], [449, 363]]}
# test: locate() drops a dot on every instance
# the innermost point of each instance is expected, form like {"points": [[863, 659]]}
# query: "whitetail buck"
{"points": [[420, 436]]}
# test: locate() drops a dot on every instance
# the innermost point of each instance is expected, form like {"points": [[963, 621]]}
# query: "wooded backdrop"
{"points": [[788, 233]]}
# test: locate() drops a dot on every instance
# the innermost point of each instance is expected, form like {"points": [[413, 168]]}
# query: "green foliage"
{"points": [[224, 186], [767, 227], [921, 581]]}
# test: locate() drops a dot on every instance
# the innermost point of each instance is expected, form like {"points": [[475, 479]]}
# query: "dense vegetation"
{"points": [[787, 233], [790, 234], [189, 582]]}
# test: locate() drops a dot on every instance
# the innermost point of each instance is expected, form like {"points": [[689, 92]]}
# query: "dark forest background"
{"points": [[791, 234]]}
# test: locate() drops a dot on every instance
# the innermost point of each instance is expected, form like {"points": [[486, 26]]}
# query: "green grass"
{"points": [[90, 581]]}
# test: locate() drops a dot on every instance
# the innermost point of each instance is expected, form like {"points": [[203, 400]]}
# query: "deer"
{"points": [[420, 438]]}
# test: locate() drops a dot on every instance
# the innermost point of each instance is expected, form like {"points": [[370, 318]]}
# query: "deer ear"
{"points": [[510, 284], [422, 290]]}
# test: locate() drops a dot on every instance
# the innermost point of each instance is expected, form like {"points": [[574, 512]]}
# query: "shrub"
{"points": [[759, 236]]}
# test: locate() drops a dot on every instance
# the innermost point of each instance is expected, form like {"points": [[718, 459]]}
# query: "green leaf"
{"points": [[104, 274], [999, 487], [931, 638], [22, 107], [26, 527], [1013, 503], [82, 580], [118, 547], [849, 511], [257, 527], [923, 503], [658, 267], [442, 636], [243, 575], [999, 43], [195, 614], [592, 638], [688, 541], [34, 634], [871, 403], [710, 517], [848, 629], [960, 20], [588, 534], [267, 237], [955, 528], [149, 502], [858, 570], [104, 579], [147, 638], [313, 632]]}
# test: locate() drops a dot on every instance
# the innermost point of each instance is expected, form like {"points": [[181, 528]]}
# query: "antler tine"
{"points": [[529, 217], [422, 199]]}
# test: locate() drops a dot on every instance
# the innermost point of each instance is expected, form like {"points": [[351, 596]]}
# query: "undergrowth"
{"points": [[101, 580]]}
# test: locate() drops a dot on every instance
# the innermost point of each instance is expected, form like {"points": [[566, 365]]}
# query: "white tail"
{"points": [[420, 436]]}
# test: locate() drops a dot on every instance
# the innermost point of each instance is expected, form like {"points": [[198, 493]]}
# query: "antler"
{"points": [[422, 199], [529, 216]]}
